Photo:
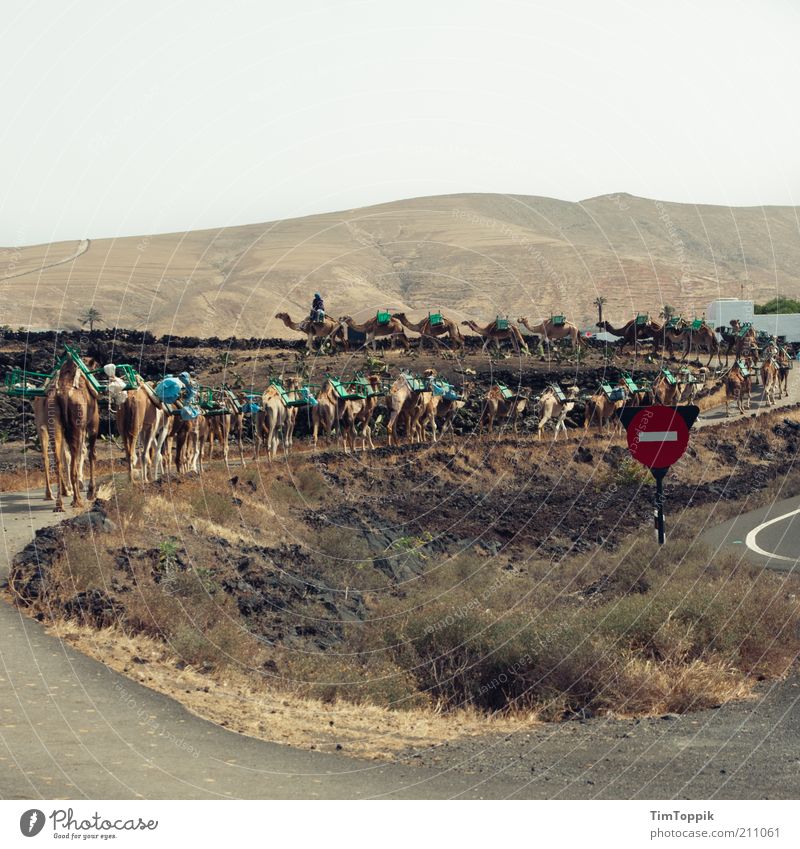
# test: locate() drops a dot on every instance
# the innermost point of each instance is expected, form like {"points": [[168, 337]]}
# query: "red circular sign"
{"points": [[657, 436]]}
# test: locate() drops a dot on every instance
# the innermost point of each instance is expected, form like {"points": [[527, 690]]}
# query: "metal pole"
{"points": [[659, 511]]}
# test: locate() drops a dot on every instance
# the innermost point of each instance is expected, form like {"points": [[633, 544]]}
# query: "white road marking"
{"points": [[750, 539], [658, 436]]}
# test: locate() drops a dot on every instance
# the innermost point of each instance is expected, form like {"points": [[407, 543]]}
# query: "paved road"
{"points": [[769, 536], [70, 727], [716, 415]]}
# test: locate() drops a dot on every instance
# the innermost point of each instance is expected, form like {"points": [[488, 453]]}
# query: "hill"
{"points": [[474, 255]]}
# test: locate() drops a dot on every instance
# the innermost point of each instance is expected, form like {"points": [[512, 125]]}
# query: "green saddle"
{"points": [[673, 321], [558, 320], [669, 376], [630, 384], [384, 317], [744, 330], [505, 391], [501, 323], [697, 324], [642, 319], [435, 319]]}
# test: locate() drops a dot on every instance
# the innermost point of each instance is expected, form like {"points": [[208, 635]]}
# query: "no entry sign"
{"points": [[657, 436]]}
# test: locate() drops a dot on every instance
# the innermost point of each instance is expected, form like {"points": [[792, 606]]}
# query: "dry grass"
{"points": [[270, 712]]}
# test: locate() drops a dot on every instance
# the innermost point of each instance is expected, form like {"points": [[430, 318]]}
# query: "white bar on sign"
{"points": [[658, 436]]}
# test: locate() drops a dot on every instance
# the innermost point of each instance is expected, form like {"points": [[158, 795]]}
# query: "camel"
{"points": [[492, 333], [154, 418], [78, 422], [359, 412], [553, 332], [689, 385], [769, 377], [702, 339], [667, 393], [497, 404], [221, 426], [599, 407], [426, 330], [45, 419], [275, 417], [132, 405], [784, 363], [401, 401], [739, 345], [373, 330], [633, 333], [447, 410], [737, 387], [550, 407], [327, 330], [190, 434], [327, 412]]}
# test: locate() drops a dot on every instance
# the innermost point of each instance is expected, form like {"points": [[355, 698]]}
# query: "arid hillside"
{"points": [[474, 255]]}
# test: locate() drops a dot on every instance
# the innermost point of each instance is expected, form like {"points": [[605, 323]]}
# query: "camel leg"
{"points": [[76, 448], [58, 452], [91, 453], [44, 443]]}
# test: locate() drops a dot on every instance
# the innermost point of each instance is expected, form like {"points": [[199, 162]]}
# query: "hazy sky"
{"points": [[138, 117]]}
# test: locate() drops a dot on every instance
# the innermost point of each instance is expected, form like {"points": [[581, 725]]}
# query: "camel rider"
{"points": [[317, 308]]}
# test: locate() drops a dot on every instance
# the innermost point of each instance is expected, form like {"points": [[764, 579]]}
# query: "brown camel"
{"points": [[739, 344], [79, 423], [551, 332], [633, 333], [784, 363], [667, 392], [401, 401], [494, 334], [46, 419], [221, 426], [701, 339], [326, 330], [600, 408], [327, 412], [769, 377], [551, 406], [274, 418], [502, 404], [359, 411], [427, 330], [738, 386], [436, 407], [190, 435], [132, 406], [374, 330]]}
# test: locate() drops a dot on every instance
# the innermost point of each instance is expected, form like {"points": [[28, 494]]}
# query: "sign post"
{"points": [[657, 438]]}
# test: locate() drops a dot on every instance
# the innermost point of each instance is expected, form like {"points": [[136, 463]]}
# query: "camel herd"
{"points": [[434, 328], [411, 408]]}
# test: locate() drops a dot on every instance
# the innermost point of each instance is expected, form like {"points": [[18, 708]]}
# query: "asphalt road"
{"points": [[769, 537], [72, 728]]}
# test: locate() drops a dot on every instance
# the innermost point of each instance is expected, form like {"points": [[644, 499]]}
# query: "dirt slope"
{"points": [[472, 254]]}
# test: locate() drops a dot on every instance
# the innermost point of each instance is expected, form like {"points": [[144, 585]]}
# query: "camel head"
{"points": [[573, 392], [522, 319], [399, 315], [345, 319], [430, 372], [282, 316], [467, 323]]}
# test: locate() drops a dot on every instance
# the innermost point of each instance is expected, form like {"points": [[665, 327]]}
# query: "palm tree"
{"points": [[598, 302], [90, 316]]}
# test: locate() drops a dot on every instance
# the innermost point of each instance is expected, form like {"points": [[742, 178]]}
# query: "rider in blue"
{"points": [[317, 308]]}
